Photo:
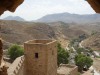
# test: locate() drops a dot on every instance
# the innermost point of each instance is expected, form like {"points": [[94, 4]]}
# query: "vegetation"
{"points": [[62, 55], [98, 56], [94, 32], [75, 42], [83, 61], [15, 51], [80, 50], [82, 37], [89, 49]]}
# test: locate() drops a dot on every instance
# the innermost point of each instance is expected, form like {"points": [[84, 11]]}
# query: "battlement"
{"points": [[16, 67]]}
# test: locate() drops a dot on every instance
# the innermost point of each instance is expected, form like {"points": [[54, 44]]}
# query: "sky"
{"points": [[35, 9]]}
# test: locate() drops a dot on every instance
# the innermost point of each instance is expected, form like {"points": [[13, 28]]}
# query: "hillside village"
{"points": [[49, 48]]}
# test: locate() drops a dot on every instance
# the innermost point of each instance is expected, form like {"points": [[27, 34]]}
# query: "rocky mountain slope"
{"points": [[19, 32], [93, 42], [69, 18], [17, 18]]}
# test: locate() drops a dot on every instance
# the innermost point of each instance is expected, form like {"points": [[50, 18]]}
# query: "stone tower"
{"points": [[40, 57]]}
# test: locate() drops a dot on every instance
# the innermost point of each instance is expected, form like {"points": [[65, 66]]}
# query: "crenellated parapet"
{"points": [[17, 67]]}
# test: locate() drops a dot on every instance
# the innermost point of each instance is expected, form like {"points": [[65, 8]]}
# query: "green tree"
{"points": [[62, 55], [15, 51], [79, 50], [83, 61]]}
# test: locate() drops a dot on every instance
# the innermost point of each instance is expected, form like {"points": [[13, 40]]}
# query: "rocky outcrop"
{"points": [[10, 5], [95, 4], [1, 51], [3, 68], [5, 5], [3, 71]]}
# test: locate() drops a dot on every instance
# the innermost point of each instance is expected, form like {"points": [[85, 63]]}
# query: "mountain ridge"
{"points": [[17, 18], [64, 17], [19, 32], [70, 18]]}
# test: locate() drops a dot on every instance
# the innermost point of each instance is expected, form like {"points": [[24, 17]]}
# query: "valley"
{"points": [[18, 32]]}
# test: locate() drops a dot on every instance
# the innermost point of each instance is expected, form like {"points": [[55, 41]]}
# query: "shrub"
{"points": [[83, 61], [62, 55], [15, 51]]}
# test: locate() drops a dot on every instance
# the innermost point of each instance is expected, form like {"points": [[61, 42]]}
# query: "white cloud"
{"points": [[34, 9]]}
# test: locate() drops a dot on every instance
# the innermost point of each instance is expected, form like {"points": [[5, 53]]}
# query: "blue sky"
{"points": [[34, 9]]}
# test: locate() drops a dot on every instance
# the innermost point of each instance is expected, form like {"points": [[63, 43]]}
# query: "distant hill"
{"points": [[19, 32], [93, 42], [17, 18], [69, 18]]}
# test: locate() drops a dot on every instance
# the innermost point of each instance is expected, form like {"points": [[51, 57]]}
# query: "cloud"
{"points": [[34, 9]]}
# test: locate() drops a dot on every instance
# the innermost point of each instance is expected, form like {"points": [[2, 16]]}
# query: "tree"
{"points": [[83, 61], [79, 50], [15, 51], [62, 55]]}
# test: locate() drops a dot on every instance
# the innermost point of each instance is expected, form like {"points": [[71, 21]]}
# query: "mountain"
{"points": [[17, 18], [69, 18], [92, 42], [19, 32]]}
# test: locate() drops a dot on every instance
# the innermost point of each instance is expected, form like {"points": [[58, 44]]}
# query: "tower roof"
{"points": [[43, 41]]}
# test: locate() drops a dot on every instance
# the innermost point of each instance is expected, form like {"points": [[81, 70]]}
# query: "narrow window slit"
{"points": [[36, 55]]}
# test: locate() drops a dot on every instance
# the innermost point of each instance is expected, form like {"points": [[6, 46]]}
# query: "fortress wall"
{"points": [[17, 67], [67, 69], [74, 71]]}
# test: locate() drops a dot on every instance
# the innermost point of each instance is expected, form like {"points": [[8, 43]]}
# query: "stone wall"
{"points": [[67, 69], [17, 67], [74, 71]]}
